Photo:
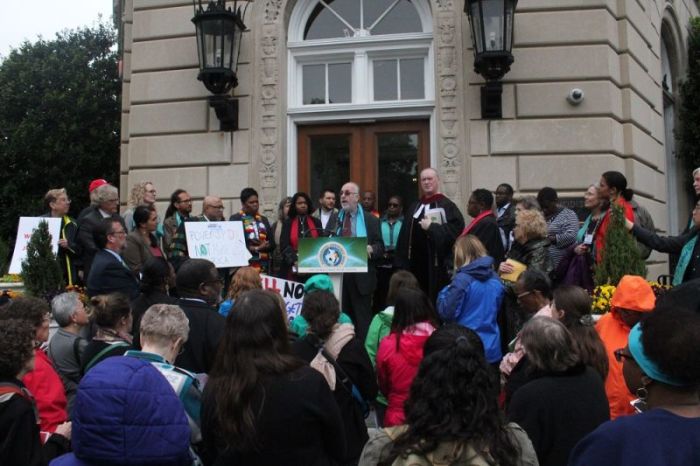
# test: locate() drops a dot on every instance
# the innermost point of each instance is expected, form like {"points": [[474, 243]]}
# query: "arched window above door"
{"points": [[345, 53], [353, 18]]}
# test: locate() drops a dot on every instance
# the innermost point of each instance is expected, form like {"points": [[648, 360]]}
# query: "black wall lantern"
{"points": [[492, 35], [219, 32]]}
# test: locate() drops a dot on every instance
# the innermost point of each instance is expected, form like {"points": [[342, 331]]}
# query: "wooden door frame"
{"points": [[363, 150]]}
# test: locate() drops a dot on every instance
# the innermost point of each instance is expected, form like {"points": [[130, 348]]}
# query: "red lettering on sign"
{"points": [[270, 283]]}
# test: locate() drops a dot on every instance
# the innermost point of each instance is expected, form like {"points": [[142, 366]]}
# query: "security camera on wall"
{"points": [[575, 96]]}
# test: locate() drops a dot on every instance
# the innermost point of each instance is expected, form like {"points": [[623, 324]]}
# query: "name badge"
{"points": [[588, 239]]}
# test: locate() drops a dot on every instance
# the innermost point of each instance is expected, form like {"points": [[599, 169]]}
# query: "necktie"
{"points": [[347, 225]]}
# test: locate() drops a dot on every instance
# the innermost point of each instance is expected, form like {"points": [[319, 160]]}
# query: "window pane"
{"points": [[402, 18], [330, 162], [314, 78], [385, 80], [493, 25], [323, 24], [412, 83], [397, 163], [339, 83]]}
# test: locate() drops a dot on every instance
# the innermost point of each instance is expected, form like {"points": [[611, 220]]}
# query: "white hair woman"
{"points": [[565, 401], [66, 347], [164, 331]]}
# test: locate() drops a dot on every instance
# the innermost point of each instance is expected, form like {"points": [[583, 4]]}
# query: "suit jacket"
{"points": [[89, 219], [332, 224], [506, 222], [206, 330], [488, 233], [367, 282], [109, 275]]}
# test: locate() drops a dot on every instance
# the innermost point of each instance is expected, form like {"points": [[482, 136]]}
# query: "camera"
{"points": [[575, 96]]}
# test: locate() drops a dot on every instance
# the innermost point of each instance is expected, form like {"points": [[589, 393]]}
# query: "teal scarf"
{"points": [[686, 255], [582, 232], [360, 228]]}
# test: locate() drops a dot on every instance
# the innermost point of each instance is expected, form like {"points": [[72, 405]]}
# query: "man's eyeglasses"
{"points": [[216, 207], [523, 294], [621, 354], [348, 193], [184, 201], [119, 232]]}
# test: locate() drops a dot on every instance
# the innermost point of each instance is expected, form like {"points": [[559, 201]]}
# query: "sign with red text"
{"points": [[26, 227], [291, 292]]}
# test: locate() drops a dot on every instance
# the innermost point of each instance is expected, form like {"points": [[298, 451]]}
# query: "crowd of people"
{"points": [[464, 343]]}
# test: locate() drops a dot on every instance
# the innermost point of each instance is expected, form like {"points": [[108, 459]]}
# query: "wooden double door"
{"points": [[382, 157]]}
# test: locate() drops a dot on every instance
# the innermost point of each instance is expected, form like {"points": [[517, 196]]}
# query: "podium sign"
{"points": [[332, 255]]}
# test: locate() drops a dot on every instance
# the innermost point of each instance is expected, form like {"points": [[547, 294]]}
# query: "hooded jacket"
{"points": [[473, 300], [126, 413], [396, 368], [635, 294], [318, 282]]}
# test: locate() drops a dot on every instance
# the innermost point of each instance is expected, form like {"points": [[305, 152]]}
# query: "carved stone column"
{"points": [[451, 140]]}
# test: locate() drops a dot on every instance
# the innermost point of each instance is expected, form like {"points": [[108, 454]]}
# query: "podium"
{"points": [[333, 256]]}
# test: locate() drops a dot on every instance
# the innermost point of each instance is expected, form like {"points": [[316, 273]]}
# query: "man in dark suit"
{"points": [[358, 288], [199, 286], [484, 225], [105, 200], [505, 212], [109, 273], [326, 212]]}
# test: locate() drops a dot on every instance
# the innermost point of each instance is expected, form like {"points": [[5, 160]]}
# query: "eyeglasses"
{"points": [[523, 294], [621, 354], [151, 191], [184, 201], [215, 207], [119, 232], [348, 193]]}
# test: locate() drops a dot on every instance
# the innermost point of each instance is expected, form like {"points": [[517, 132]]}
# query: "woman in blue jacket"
{"points": [[475, 295]]}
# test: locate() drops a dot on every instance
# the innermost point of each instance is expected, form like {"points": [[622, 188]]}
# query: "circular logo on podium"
{"points": [[332, 255]]}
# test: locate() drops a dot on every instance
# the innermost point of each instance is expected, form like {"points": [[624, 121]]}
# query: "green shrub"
{"points": [[620, 254], [41, 272]]}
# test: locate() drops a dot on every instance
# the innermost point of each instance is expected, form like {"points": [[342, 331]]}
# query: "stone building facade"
{"points": [[626, 55]]}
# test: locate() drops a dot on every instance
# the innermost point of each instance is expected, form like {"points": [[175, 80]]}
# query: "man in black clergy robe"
{"points": [[431, 226]]}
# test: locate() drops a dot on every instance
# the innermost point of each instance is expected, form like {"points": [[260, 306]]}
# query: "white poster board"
{"points": [[292, 293], [223, 243], [26, 227]]}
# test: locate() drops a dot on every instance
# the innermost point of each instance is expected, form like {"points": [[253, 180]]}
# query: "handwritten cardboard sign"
{"points": [[26, 227], [222, 243], [292, 293]]}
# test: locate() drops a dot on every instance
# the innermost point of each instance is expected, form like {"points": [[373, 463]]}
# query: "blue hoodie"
{"points": [[473, 300], [126, 413]]}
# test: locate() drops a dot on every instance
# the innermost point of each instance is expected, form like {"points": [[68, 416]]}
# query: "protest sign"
{"points": [[26, 227], [292, 293], [222, 243]]}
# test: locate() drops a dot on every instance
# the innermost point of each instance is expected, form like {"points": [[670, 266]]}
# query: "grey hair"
{"points": [[163, 323], [103, 193], [529, 203], [696, 171], [549, 345], [64, 306]]}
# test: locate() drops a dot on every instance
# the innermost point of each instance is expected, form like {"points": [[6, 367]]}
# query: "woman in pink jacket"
{"points": [[401, 351]]}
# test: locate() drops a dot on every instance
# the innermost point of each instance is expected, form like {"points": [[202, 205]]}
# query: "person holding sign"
{"points": [[299, 224], [258, 237], [425, 243], [358, 288], [57, 203]]}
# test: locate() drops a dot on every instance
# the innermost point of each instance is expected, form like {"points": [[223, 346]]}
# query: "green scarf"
{"points": [[686, 255]]}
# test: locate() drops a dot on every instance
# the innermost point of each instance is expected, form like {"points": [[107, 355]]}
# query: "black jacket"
{"points": [[673, 245], [354, 361], [297, 423], [108, 275], [206, 330], [488, 233], [559, 409], [88, 220], [19, 431]]}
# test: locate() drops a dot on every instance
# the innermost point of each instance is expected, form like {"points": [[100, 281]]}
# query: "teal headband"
{"points": [[648, 366]]}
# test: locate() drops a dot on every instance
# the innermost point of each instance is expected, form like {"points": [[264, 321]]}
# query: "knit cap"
{"points": [[320, 282], [634, 294]]}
